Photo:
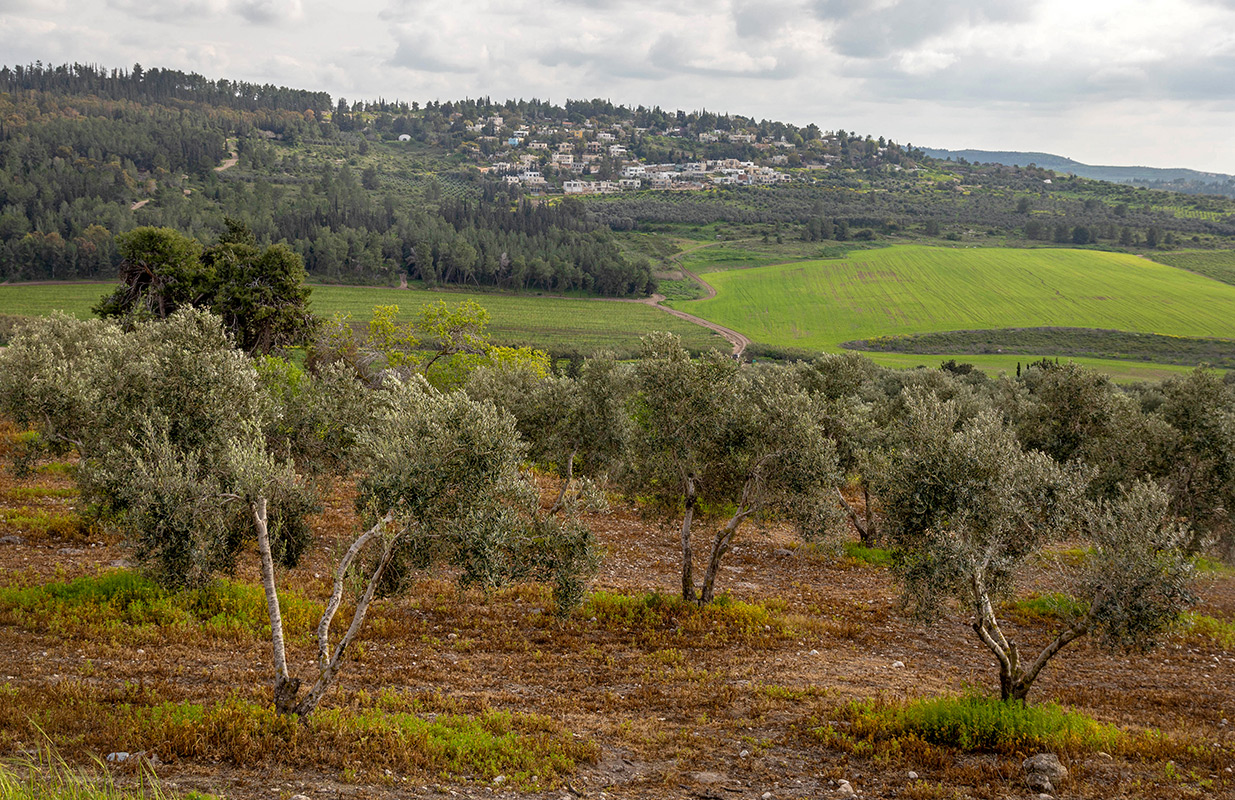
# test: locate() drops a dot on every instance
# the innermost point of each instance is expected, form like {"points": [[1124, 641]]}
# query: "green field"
{"points": [[903, 290], [553, 323], [1216, 264]]}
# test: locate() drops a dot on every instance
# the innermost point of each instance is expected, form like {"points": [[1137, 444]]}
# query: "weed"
{"points": [[45, 523], [724, 620], [46, 776], [21, 494], [971, 722], [128, 605], [1050, 606], [526, 748], [870, 556], [1221, 632]]}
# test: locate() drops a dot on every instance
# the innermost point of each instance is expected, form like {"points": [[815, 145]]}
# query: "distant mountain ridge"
{"points": [[1061, 164]]}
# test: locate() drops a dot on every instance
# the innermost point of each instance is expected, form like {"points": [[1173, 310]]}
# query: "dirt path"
{"points": [[739, 342], [231, 160]]}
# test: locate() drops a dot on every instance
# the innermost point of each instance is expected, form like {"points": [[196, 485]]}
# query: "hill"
{"points": [[1178, 179]]}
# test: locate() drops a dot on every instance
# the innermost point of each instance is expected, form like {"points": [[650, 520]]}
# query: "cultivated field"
{"points": [[907, 290], [1216, 264], [553, 323]]}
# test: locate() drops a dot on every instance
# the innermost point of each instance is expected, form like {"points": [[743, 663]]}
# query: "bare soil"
{"points": [[675, 714]]}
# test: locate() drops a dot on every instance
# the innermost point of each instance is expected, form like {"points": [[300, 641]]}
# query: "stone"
{"points": [[11, 540], [118, 757], [1043, 772], [898, 665], [765, 796], [708, 777], [913, 776], [846, 790], [743, 754], [299, 797]]}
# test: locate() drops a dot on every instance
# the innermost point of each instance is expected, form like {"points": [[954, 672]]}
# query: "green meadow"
{"points": [[553, 323], [1216, 264], [894, 291]]}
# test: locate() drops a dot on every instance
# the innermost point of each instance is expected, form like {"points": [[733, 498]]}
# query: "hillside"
{"points": [[1178, 179], [476, 191]]}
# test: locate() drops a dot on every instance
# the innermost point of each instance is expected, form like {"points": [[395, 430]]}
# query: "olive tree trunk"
{"points": [[287, 688], [1015, 679]]}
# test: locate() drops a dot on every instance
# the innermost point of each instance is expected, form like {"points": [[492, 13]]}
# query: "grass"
{"points": [[127, 605], [1083, 342], [725, 257], [871, 556], [1218, 631], [25, 519], [403, 733], [1216, 264], [547, 322], [912, 289], [968, 723], [46, 776], [656, 617], [1049, 606]]}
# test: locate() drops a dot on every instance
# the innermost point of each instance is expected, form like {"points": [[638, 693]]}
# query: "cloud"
{"points": [[169, 10], [269, 12], [877, 30], [31, 6]]}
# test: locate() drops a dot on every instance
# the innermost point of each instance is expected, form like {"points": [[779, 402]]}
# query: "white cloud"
{"points": [[269, 12]]}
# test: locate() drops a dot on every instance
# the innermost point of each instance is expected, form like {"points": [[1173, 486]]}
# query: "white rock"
{"points": [[117, 757], [913, 776], [766, 796], [898, 665], [743, 754], [500, 779]]}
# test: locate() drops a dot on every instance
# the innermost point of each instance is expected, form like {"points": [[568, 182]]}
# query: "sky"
{"points": [[1131, 83]]}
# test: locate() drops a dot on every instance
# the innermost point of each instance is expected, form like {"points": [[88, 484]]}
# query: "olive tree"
{"points": [[566, 421], [1198, 460], [175, 431], [709, 433], [967, 508]]}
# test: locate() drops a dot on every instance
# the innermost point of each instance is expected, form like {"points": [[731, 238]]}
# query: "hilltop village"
{"points": [[590, 157]]}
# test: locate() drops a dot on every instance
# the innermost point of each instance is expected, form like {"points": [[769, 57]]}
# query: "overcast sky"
{"points": [[1140, 82]]}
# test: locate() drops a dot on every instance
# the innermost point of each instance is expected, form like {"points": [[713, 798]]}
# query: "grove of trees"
{"points": [[196, 449]]}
